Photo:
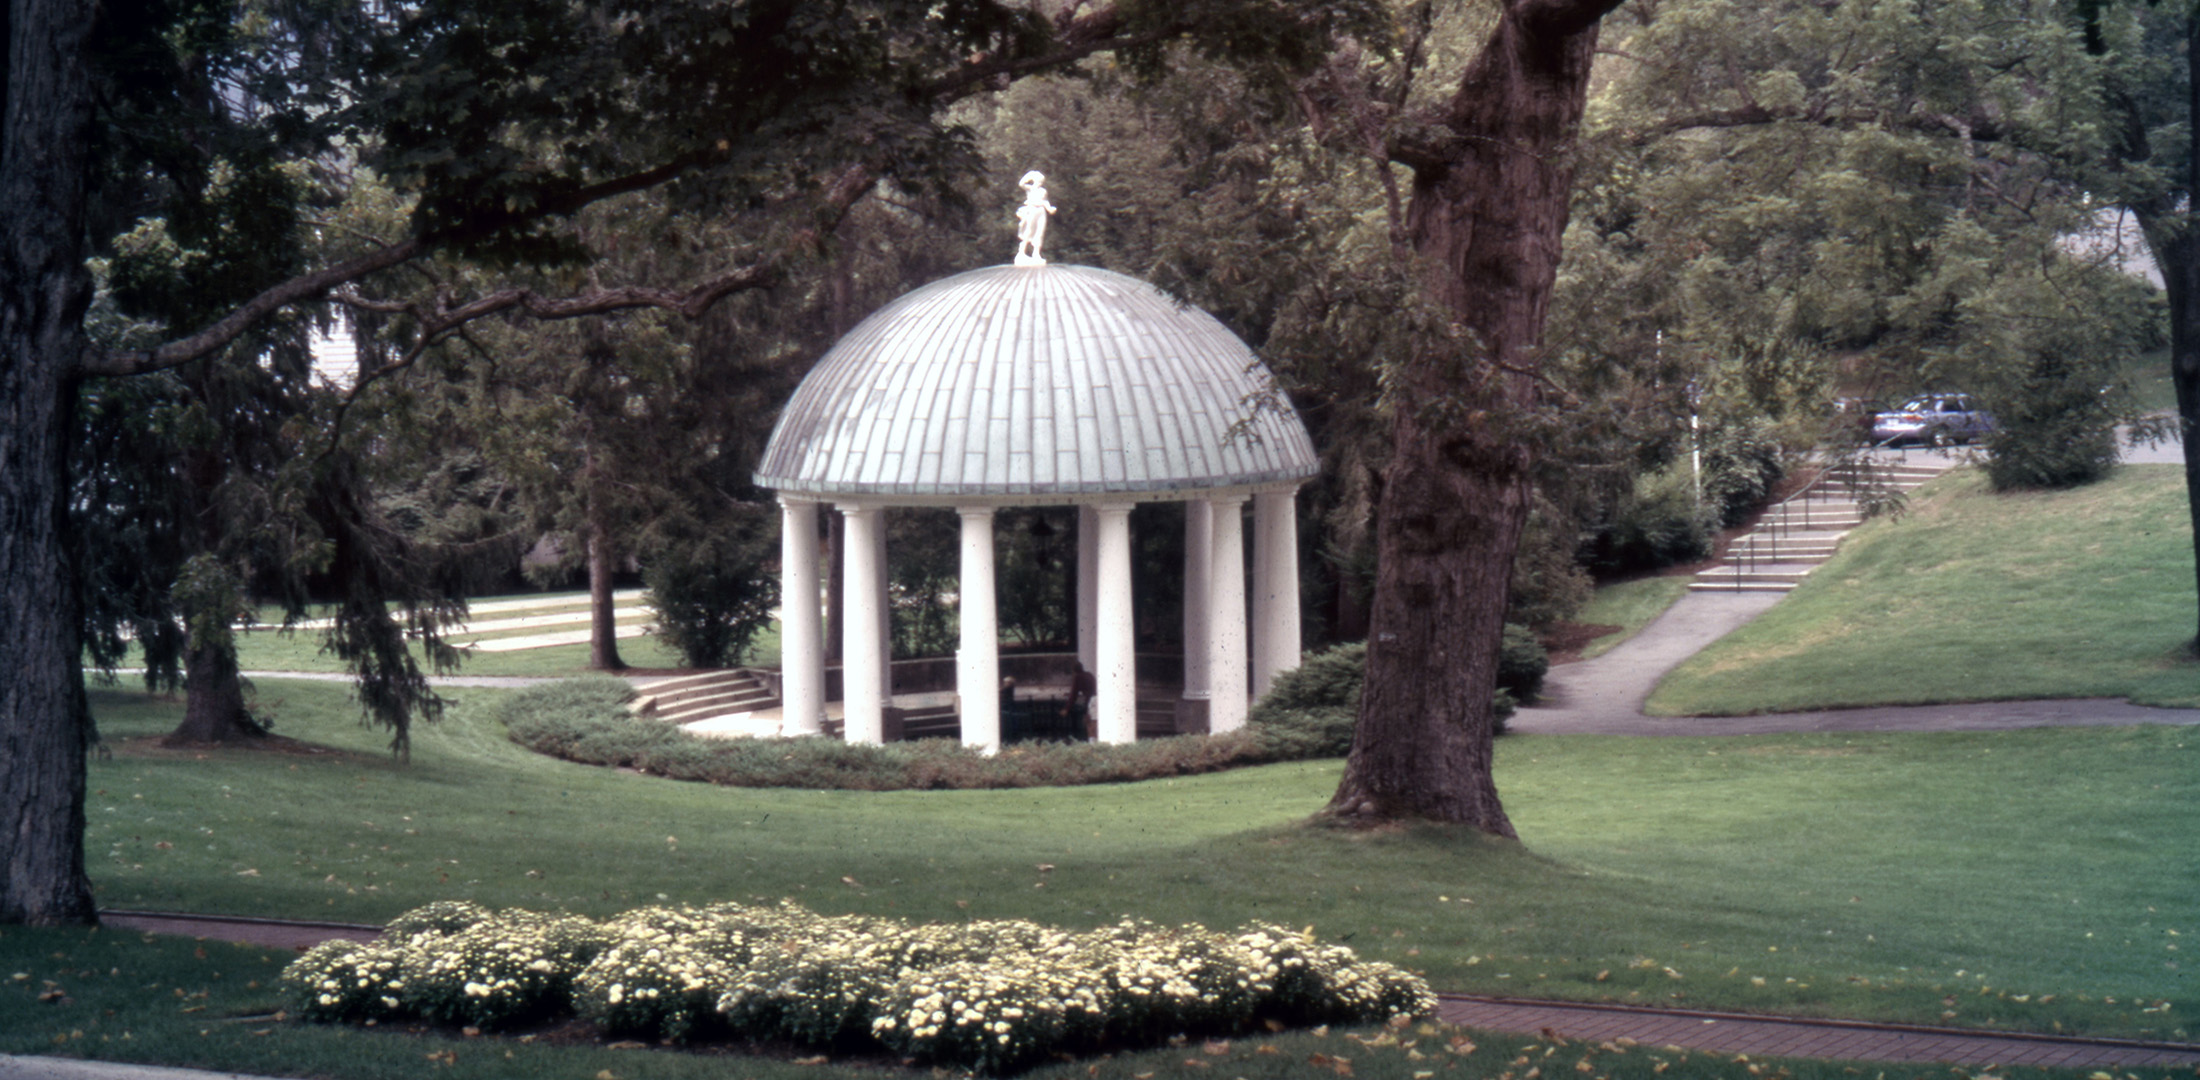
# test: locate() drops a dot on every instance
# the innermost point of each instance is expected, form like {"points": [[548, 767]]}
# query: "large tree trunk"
{"points": [[45, 120], [1488, 210], [2178, 255], [603, 615], [2168, 220], [213, 710]]}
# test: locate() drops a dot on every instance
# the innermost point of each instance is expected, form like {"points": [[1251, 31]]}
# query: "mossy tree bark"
{"points": [[45, 132], [1492, 182]]}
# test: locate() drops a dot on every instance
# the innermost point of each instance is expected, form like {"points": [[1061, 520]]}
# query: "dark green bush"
{"points": [[1308, 714], [1742, 465], [1330, 678], [1659, 524], [1549, 584], [587, 720], [714, 593], [2053, 431], [1521, 664], [1311, 710]]}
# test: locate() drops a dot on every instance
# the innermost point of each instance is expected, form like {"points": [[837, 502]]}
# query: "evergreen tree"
{"points": [[772, 105]]}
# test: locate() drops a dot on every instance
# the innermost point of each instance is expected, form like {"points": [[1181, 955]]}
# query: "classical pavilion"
{"points": [[1042, 385]]}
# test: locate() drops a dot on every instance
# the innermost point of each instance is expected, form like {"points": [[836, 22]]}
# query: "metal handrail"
{"points": [[1784, 527]]}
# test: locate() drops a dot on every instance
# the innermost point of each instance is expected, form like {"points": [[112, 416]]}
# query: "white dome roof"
{"points": [[1032, 384]]}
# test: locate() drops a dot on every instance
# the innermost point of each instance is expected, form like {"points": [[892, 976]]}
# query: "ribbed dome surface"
{"points": [[1039, 381]]}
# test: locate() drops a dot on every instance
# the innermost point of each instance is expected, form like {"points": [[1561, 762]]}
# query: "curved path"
{"points": [[1604, 696]]}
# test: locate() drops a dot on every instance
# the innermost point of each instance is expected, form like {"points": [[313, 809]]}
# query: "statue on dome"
{"points": [[1031, 219]]}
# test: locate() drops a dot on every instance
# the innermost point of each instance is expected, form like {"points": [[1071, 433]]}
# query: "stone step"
{"points": [[1700, 585], [715, 706], [704, 696], [1787, 574], [707, 681], [1771, 549], [931, 722], [1816, 515]]}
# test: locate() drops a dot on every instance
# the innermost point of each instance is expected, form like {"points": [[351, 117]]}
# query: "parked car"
{"points": [[1932, 420]]}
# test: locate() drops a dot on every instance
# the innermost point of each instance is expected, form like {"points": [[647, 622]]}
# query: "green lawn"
{"points": [[2034, 880], [1973, 596], [2037, 880], [1853, 875]]}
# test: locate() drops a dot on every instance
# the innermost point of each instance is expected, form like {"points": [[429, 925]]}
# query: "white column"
{"points": [[1115, 665], [885, 612], [978, 662], [1275, 587], [1226, 660], [801, 635], [1198, 554], [1088, 587], [861, 662]]}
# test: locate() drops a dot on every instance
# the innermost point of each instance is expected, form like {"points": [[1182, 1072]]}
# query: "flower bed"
{"points": [[988, 995]]}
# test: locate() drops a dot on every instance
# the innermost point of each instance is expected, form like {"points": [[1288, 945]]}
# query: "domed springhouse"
{"points": [[1042, 385]]}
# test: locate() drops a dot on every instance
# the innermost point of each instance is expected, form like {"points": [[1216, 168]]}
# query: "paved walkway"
{"points": [[1786, 1037], [1604, 696]]}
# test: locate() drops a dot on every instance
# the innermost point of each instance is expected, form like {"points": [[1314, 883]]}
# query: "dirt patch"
{"points": [[157, 747]]}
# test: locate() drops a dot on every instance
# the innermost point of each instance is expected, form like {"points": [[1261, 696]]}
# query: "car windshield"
{"points": [[1917, 405]]}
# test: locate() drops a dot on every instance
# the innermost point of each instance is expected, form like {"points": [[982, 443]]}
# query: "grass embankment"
{"points": [[1974, 596], [2037, 878], [495, 618]]}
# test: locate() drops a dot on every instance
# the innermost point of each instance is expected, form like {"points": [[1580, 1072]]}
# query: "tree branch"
{"points": [[440, 318], [1078, 36], [230, 327]]}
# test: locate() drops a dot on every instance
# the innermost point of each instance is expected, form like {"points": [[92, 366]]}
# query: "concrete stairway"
{"points": [[706, 696], [1791, 539]]}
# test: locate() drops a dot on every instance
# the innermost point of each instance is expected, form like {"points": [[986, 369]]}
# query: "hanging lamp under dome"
{"points": [[1033, 384]]}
